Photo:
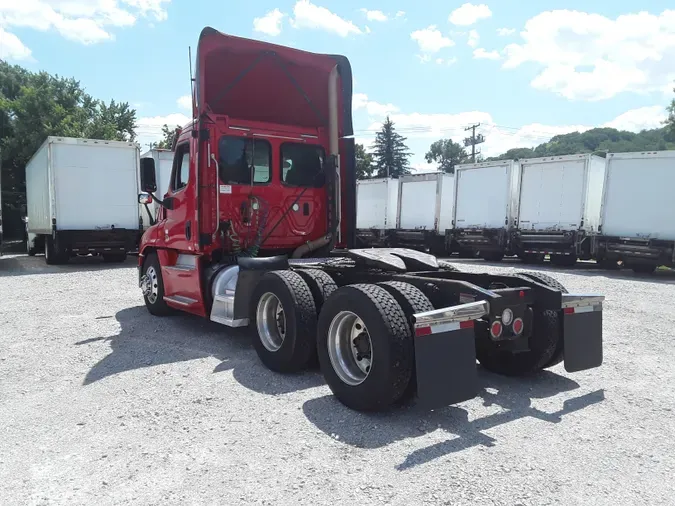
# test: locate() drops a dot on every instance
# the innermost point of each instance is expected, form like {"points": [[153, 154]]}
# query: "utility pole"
{"points": [[473, 140]]}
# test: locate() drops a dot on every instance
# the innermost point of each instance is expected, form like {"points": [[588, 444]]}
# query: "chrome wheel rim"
{"points": [[350, 348], [151, 285], [271, 322]]}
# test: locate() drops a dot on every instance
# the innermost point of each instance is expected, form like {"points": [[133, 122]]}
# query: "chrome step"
{"points": [[180, 299]]}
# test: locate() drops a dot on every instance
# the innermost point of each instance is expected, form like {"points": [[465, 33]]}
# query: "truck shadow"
{"points": [[22, 265], [148, 341], [581, 269], [513, 397]]}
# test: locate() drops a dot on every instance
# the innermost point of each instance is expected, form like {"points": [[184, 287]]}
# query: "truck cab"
{"points": [[266, 166]]}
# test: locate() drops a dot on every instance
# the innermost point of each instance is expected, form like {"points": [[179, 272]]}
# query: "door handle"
{"points": [[188, 230]]}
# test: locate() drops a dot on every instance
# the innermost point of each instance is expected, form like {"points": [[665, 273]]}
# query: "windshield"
{"points": [[302, 165], [237, 154]]}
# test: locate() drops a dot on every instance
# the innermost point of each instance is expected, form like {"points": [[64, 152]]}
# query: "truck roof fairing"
{"points": [[258, 81]]}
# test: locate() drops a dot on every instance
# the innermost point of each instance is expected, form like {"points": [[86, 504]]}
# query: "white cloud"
{"points": [[400, 14], [504, 32], [473, 38], [446, 61], [482, 54], [308, 15], [83, 21], [361, 101], [421, 129], [11, 48], [430, 39], [635, 120], [185, 102], [592, 57], [270, 23], [375, 15], [468, 14], [150, 128]]}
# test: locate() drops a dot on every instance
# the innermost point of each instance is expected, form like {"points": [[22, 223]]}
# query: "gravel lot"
{"points": [[103, 404]]}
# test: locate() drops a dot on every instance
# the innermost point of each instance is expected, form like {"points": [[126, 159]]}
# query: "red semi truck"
{"points": [[257, 229]]}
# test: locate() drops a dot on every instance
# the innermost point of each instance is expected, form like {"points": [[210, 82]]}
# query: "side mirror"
{"points": [[148, 178], [145, 198]]}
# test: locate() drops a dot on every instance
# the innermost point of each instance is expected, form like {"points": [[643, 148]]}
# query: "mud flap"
{"points": [[582, 331], [445, 354]]}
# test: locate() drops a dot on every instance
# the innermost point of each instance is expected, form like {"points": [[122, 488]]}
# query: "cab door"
{"points": [[179, 226]]}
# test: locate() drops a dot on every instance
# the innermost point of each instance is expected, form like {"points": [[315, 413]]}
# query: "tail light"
{"points": [[496, 329], [518, 326]]}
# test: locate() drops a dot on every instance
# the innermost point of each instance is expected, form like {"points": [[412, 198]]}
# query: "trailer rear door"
{"points": [[482, 197], [552, 195]]}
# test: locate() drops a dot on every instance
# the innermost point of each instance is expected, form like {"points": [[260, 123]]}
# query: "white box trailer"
{"points": [[637, 222], [163, 165], [486, 207], [82, 198], [424, 213], [376, 208], [559, 207]]}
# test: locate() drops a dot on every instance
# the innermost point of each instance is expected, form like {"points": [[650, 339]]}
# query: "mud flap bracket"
{"points": [[445, 354], [582, 331]]}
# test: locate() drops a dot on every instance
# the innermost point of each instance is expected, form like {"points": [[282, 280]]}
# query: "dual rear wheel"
{"points": [[362, 335]]}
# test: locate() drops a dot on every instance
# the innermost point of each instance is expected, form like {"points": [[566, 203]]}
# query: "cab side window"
{"points": [[181, 167]]}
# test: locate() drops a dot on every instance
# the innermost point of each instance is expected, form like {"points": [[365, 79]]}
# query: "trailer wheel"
{"points": [[412, 300], [492, 256], [152, 285], [53, 256], [283, 313], [643, 268], [564, 260], [546, 343], [532, 258], [114, 257], [365, 347]]}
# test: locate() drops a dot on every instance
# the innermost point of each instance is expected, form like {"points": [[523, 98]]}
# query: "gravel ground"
{"points": [[102, 403]]}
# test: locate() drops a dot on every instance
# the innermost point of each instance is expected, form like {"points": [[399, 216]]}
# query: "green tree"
{"points": [[598, 141], [447, 154], [169, 136], [364, 163], [391, 154]]}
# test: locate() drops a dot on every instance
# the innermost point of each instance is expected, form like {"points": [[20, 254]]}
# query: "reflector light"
{"points": [[496, 329], [422, 331], [518, 326]]}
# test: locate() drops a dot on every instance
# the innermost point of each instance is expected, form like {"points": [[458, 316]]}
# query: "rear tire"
{"points": [[320, 284], [412, 300], [372, 370], [546, 342], [154, 297], [283, 318]]}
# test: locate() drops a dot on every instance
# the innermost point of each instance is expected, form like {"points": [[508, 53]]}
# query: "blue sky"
{"points": [[524, 72]]}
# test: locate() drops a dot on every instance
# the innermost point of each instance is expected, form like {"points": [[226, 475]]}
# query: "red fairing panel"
{"points": [[257, 81]]}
